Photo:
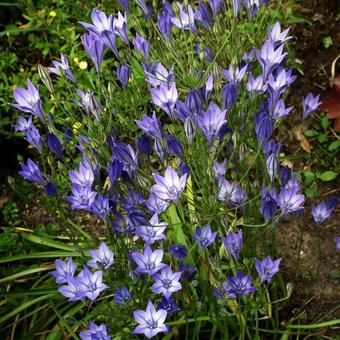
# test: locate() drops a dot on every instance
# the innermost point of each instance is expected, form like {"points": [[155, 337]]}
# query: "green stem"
{"points": [[185, 321]]}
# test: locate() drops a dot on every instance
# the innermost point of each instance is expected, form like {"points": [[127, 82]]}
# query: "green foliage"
{"points": [[33, 304], [36, 32], [324, 157]]}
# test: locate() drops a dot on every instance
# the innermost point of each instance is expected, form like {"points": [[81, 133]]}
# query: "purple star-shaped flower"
{"points": [[151, 126], [23, 124], [267, 268], [64, 66], [95, 332], [122, 295], [155, 204], [63, 270], [94, 48], [72, 290], [103, 256], [152, 232], [269, 57], [82, 197], [101, 207], [103, 27], [233, 243], [31, 172], [149, 262], [91, 283], [166, 282], [151, 322], [211, 121], [165, 97], [120, 27], [323, 211], [289, 200], [204, 236], [29, 100], [169, 305], [239, 285], [141, 45], [310, 104], [83, 177], [169, 187], [186, 20], [276, 35]]}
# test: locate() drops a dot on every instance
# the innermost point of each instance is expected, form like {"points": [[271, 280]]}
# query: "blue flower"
{"points": [[151, 126], [211, 121], [83, 177], [310, 104], [269, 57], [324, 209], [204, 237], [268, 206], [178, 251], [101, 207], [23, 124], [103, 256], [31, 172], [149, 262], [186, 20], [219, 168], [289, 200], [141, 45], [29, 101], [233, 243], [166, 282], [155, 204], [123, 74], [54, 144], [151, 322], [72, 289], [169, 305], [152, 232], [238, 286], [94, 48], [165, 97], [169, 187], [82, 197], [267, 268], [63, 270], [91, 284], [33, 137], [276, 35], [63, 65], [122, 295], [164, 25], [120, 27], [95, 332], [103, 27]]}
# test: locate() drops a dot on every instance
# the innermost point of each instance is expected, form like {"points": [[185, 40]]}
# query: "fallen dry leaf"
{"points": [[331, 103], [288, 163], [298, 132]]}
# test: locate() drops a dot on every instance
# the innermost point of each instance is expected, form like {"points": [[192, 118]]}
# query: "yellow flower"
{"points": [[76, 60], [83, 65], [53, 14], [75, 127]]}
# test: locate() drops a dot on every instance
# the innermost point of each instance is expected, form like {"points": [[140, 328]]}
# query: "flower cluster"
{"points": [[185, 167], [86, 284]]}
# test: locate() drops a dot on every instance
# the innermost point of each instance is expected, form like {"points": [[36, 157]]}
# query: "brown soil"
{"points": [[309, 254]]}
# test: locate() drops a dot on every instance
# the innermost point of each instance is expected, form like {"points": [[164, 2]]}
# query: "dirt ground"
{"points": [[310, 259]]}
